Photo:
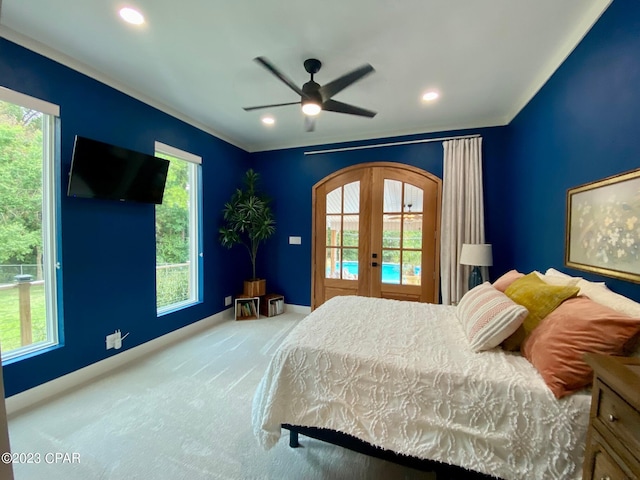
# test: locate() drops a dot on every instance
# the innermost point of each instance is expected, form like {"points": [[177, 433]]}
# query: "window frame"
{"points": [[51, 265], [195, 226]]}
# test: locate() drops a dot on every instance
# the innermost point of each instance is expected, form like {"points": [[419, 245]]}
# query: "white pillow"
{"points": [[602, 295], [488, 316], [558, 280], [552, 272], [556, 273]]}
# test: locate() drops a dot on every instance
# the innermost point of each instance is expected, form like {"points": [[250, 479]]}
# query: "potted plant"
{"points": [[248, 220]]}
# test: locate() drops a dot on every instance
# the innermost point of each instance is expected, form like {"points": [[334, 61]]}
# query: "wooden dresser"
{"points": [[613, 439]]}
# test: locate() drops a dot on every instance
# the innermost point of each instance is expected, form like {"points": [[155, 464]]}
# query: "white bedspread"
{"points": [[401, 376]]}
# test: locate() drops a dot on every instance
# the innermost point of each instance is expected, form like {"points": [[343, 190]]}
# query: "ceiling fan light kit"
{"points": [[313, 97], [311, 108]]}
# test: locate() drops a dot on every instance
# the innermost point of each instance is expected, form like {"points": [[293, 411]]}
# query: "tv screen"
{"points": [[101, 170]]}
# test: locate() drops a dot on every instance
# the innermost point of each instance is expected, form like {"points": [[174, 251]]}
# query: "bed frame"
{"points": [[344, 440]]}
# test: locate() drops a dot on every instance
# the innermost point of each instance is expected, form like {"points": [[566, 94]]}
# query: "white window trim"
{"points": [[50, 251], [176, 152], [195, 252], [29, 102], [50, 263]]}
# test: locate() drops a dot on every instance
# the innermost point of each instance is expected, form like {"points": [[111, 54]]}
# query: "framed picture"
{"points": [[603, 227]]}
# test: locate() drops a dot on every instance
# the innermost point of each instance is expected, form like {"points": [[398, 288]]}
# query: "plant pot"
{"points": [[255, 288]]}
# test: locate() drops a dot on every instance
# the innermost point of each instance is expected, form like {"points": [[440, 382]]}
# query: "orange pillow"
{"points": [[507, 279], [578, 326]]}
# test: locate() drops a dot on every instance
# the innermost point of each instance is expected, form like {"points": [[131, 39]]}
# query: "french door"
{"points": [[376, 233]]}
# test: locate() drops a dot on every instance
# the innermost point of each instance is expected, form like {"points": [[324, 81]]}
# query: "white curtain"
{"points": [[462, 213]]}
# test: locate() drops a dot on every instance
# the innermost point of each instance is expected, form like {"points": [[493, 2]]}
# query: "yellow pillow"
{"points": [[539, 298]]}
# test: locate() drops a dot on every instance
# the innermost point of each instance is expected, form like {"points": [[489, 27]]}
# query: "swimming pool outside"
{"points": [[390, 271]]}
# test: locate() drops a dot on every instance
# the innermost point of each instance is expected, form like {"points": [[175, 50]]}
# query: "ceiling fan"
{"points": [[314, 97]]}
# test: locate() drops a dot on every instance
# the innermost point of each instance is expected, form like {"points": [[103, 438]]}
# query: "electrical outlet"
{"points": [[227, 301], [114, 340]]}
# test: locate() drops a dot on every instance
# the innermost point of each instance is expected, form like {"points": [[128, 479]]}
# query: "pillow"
{"points": [[539, 298], [552, 272], [488, 316], [632, 347], [587, 285], [599, 293], [578, 326], [507, 279], [557, 280]]}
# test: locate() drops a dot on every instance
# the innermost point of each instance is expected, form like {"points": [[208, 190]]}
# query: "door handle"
{"points": [[374, 264]]}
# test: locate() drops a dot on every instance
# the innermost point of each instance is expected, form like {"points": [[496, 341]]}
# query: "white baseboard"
{"points": [[297, 309], [35, 395]]}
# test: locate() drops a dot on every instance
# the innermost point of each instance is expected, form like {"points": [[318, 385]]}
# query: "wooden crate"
{"points": [[247, 308], [255, 288], [271, 305]]}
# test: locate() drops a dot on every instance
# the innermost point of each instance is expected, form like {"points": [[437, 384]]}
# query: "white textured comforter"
{"points": [[400, 375]]}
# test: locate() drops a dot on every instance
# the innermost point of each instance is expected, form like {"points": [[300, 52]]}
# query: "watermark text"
{"points": [[38, 457]]}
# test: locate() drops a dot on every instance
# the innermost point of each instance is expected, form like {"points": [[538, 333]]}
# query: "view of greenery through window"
{"points": [[173, 246], [21, 240], [390, 239]]}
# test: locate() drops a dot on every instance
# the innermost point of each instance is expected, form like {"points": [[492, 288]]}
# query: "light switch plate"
{"points": [[295, 240]]}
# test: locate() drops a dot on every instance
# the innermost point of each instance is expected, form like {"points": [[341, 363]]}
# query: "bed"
{"points": [[401, 376]]}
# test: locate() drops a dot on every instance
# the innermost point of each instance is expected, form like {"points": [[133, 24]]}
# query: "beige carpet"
{"points": [[182, 413]]}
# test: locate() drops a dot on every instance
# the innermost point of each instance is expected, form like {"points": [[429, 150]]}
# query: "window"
{"points": [[28, 252], [178, 242], [343, 232], [402, 233]]}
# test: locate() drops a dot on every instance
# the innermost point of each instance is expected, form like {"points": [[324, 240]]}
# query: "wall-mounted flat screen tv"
{"points": [[101, 170]]}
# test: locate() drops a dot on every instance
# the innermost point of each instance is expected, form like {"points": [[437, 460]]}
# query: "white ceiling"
{"points": [[194, 58]]}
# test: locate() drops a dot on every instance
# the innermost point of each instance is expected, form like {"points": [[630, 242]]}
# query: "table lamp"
{"points": [[476, 255]]}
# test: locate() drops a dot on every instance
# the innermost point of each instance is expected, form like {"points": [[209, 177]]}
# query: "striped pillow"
{"points": [[488, 316]]}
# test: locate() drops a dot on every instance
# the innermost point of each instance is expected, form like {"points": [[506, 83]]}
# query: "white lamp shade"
{"points": [[476, 254]]}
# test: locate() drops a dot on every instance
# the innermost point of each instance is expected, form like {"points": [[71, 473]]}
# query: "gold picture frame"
{"points": [[602, 232]]}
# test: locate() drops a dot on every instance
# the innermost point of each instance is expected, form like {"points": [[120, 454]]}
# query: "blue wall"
{"points": [[108, 248], [583, 125], [288, 177]]}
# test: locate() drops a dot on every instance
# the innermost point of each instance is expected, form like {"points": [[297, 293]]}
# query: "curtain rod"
{"points": [[391, 144]]}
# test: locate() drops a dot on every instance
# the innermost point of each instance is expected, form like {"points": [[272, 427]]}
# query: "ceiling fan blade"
{"points": [[339, 107], [309, 123], [269, 66], [330, 89], [248, 109]]}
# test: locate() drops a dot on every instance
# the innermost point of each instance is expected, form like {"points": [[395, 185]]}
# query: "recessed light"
{"points": [[430, 96], [267, 120], [131, 15]]}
